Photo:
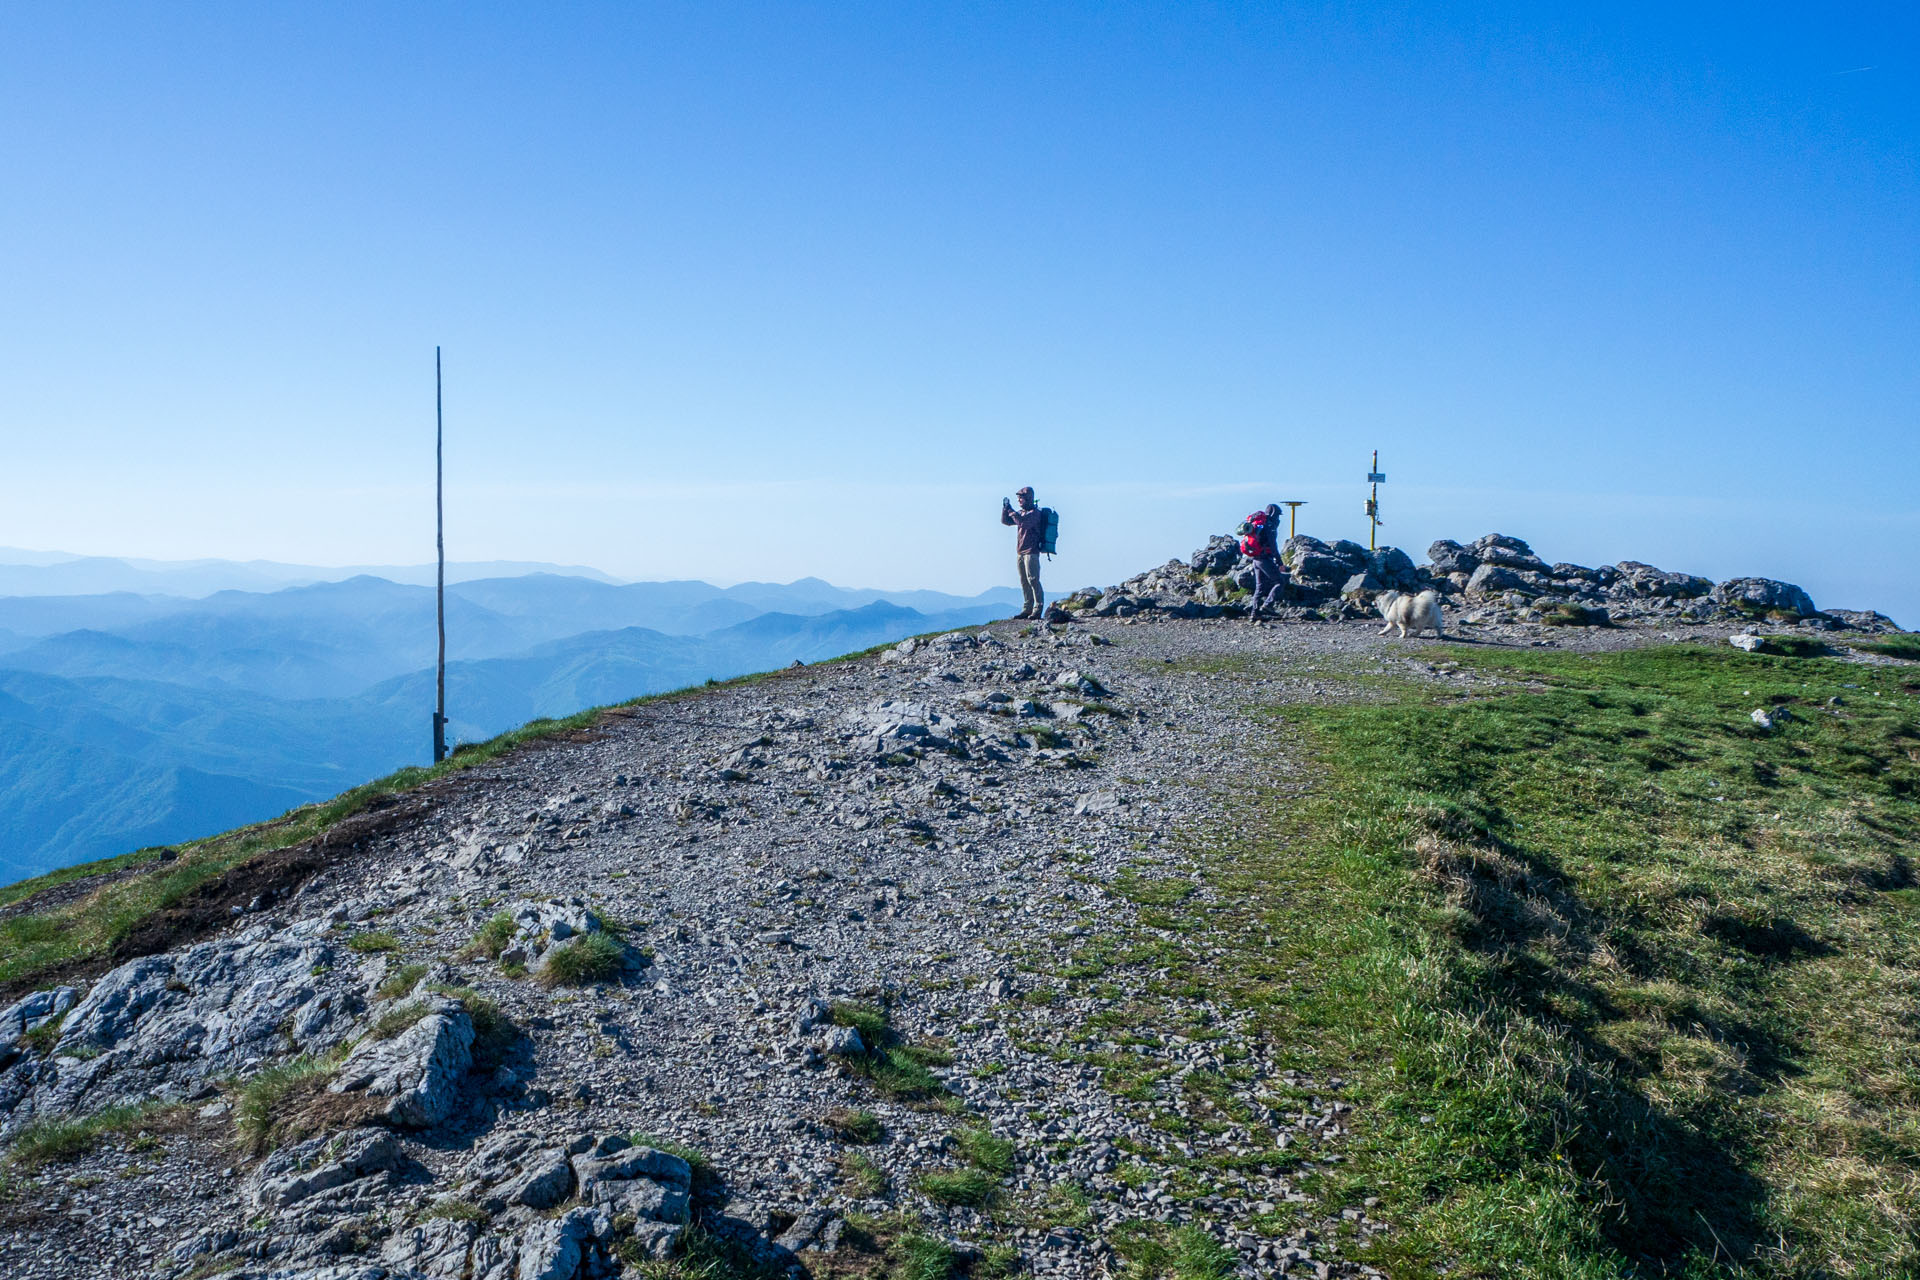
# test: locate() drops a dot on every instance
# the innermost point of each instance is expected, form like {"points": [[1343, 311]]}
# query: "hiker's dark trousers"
{"points": [[1269, 583], [1030, 586]]}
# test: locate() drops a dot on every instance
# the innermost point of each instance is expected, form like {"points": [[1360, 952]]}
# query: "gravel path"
{"points": [[940, 832]]}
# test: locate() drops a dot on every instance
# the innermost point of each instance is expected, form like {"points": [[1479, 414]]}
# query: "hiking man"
{"points": [[1260, 543], [1029, 540]]}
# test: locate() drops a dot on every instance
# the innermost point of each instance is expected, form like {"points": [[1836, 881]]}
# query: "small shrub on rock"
{"points": [[371, 942]]}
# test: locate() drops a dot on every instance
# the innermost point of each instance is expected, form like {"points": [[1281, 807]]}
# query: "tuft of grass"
{"points": [[862, 1176], [703, 1256], [1575, 615], [401, 981], [44, 1037], [373, 942], [871, 1023], [58, 1140], [978, 1147], [971, 1187], [581, 961], [493, 937], [1189, 1253], [458, 1210], [397, 1019], [267, 1110], [862, 1128]]}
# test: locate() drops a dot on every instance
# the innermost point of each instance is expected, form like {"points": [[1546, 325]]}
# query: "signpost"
{"points": [[1376, 478], [1293, 514], [440, 587]]}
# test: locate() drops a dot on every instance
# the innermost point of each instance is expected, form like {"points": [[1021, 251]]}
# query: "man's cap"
{"points": [[1024, 491]]}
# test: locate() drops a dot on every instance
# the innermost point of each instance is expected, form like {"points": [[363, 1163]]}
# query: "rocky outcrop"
{"points": [[1496, 578], [166, 1026]]}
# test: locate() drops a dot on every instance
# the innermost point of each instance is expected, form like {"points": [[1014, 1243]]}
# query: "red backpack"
{"points": [[1256, 535]]}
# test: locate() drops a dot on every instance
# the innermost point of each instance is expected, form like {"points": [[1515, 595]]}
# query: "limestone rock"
{"points": [[419, 1071], [1763, 595]]}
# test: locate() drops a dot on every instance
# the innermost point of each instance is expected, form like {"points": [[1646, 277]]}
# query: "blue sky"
{"points": [[763, 291]]}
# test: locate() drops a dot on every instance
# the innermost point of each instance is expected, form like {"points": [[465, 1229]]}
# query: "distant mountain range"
{"points": [[131, 719]]}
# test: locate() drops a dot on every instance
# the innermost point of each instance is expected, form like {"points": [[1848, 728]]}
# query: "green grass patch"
{"points": [[582, 961], [1189, 1253], [703, 1256], [458, 1210], [861, 1128], [373, 942], [971, 1187], [493, 937], [270, 1108], [393, 1021], [1622, 987], [1904, 647], [44, 1037], [861, 1176], [979, 1148], [401, 981], [56, 1141]]}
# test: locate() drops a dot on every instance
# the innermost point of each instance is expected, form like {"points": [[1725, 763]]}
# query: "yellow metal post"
{"points": [[1293, 516]]}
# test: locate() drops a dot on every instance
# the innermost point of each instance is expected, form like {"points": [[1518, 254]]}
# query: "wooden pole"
{"points": [[440, 584]]}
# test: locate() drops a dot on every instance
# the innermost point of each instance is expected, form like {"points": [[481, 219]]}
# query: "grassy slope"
{"points": [[1626, 987]]}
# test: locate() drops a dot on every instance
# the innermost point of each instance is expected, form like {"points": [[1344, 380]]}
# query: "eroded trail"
{"points": [[896, 946]]}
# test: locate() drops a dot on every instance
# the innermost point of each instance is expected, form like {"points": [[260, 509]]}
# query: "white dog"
{"points": [[1418, 612]]}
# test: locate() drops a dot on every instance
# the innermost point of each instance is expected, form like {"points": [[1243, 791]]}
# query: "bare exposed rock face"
{"points": [[164, 1027]]}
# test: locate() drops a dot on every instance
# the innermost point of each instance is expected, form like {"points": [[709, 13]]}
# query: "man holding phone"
{"points": [[1030, 539]]}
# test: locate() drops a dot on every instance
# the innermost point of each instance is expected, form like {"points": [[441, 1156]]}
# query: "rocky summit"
{"points": [[806, 973]]}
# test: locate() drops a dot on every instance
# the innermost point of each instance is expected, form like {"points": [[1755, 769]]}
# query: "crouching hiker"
{"points": [[1260, 543], [1035, 530]]}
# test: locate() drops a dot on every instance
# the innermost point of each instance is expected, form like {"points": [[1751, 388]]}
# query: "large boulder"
{"points": [[1637, 579], [1449, 556], [318, 1165], [1763, 595], [1493, 579], [1317, 573], [1351, 554], [1510, 553], [1394, 568], [1216, 557], [1362, 586]]}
